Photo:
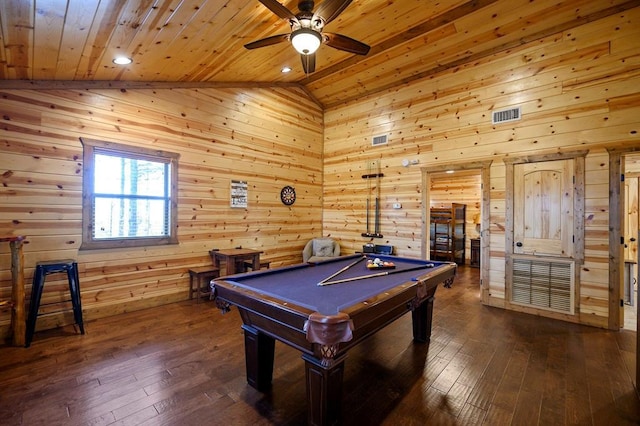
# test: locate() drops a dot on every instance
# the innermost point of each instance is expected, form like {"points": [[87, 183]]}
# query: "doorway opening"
{"points": [[454, 222], [630, 229], [455, 212]]}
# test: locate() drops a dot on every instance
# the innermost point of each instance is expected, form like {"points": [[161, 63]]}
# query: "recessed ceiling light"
{"points": [[122, 60], [286, 69]]}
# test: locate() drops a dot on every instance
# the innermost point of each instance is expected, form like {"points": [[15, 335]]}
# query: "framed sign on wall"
{"points": [[239, 194]]}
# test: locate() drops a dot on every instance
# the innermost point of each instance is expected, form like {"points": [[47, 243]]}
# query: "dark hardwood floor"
{"points": [[183, 364]]}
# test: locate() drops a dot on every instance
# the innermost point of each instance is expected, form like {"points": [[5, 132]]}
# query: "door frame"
{"points": [[484, 168], [616, 245], [579, 157], [616, 232]]}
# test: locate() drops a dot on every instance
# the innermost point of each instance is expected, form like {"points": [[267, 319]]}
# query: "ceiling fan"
{"points": [[306, 30]]}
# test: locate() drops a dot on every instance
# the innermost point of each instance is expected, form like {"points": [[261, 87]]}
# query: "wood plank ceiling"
{"points": [[51, 43]]}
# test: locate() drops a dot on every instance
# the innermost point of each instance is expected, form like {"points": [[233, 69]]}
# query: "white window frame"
{"points": [[92, 147]]}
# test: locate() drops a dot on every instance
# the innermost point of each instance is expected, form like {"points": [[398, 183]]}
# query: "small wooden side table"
{"points": [[234, 257], [18, 324]]}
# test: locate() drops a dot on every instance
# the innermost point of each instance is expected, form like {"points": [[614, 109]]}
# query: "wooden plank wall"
{"points": [[577, 90], [268, 137], [594, 294]]}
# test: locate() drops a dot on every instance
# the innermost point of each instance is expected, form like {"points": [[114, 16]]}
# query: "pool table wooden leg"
{"points": [[259, 355], [421, 316], [324, 390]]}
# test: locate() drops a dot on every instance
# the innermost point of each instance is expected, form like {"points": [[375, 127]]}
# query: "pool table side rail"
{"points": [[398, 302], [283, 321]]}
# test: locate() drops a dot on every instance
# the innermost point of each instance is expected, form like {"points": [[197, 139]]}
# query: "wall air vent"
{"points": [[544, 284], [506, 115], [379, 140]]}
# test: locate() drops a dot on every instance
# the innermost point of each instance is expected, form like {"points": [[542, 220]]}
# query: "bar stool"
{"points": [[42, 270]]}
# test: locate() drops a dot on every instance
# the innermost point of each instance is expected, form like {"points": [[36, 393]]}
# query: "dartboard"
{"points": [[288, 195]]}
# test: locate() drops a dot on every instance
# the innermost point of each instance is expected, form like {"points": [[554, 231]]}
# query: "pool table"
{"points": [[324, 309]]}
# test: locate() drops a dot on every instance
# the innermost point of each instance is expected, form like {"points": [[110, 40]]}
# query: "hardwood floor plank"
{"points": [[45, 413], [183, 364], [576, 411], [500, 416], [141, 402], [103, 420], [456, 399], [471, 415], [484, 392], [137, 417], [555, 386], [482, 354], [527, 408], [445, 381], [509, 387]]}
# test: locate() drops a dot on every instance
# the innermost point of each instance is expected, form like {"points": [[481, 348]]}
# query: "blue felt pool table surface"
{"points": [[299, 283]]}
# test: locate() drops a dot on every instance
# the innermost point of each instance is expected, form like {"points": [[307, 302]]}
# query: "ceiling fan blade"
{"points": [[308, 63], [267, 41], [277, 8], [341, 42], [330, 9]]}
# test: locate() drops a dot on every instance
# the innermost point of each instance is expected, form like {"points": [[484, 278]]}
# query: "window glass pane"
{"points": [[130, 176], [125, 217], [129, 196]]}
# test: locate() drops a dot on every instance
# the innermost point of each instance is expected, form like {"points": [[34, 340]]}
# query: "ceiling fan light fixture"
{"points": [[306, 41]]}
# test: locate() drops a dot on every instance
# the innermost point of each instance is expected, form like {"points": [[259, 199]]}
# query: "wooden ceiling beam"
{"points": [[131, 85], [93, 84]]}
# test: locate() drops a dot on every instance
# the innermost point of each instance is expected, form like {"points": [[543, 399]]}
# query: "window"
{"points": [[129, 196]]}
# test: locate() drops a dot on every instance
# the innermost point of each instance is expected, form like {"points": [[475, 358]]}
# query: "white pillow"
{"points": [[323, 247]]}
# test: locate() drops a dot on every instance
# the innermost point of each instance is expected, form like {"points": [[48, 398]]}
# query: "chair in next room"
{"points": [[319, 249]]}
